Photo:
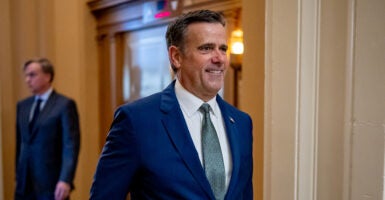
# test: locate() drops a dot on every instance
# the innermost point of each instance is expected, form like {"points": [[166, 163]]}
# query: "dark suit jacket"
{"points": [[50, 152], [149, 152]]}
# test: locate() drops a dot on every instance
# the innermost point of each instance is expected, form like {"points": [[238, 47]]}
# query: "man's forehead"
{"points": [[205, 30], [33, 67]]}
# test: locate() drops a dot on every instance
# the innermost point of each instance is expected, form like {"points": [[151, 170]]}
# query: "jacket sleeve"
{"points": [[119, 161], [71, 141], [18, 138]]}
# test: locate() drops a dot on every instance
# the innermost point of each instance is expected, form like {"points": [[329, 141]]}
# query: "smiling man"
{"points": [[185, 142]]}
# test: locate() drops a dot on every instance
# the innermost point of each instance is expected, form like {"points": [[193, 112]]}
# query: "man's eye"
{"points": [[205, 48], [31, 75]]}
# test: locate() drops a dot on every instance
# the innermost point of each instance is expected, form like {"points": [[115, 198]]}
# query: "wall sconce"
{"points": [[236, 53]]}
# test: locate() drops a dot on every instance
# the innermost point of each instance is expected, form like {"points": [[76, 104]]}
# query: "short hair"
{"points": [[45, 64], [176, 30]]}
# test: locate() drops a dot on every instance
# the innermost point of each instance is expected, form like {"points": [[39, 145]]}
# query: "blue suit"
{"points": [[50, 152], [150, 154]]}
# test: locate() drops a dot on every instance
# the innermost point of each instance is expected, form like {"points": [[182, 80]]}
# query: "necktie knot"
{"points": [[38, 101], [205, 108]]}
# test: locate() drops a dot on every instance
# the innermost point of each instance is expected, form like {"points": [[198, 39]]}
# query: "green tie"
{"points": [[212, 154]]}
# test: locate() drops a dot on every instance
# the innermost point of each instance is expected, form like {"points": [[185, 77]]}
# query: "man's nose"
{"points": [[219, 56], [27, 79]]}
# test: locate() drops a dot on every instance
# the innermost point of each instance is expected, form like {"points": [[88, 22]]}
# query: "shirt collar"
{"points": [[45, 95], [190, 103]]}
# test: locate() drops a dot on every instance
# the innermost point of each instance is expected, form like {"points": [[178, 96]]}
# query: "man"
{"points": [[48, 138], [155, 149]]}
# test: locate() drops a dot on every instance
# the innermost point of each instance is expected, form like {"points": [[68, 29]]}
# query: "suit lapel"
{"points": [[24, 117], [232, 136], [177, 130]]}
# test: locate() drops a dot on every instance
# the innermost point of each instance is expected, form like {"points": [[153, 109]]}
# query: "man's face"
{"points": [[37, 81], [203, 61]]}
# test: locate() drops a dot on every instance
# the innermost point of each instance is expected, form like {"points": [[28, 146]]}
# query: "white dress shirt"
{"points": [[190, 108]]}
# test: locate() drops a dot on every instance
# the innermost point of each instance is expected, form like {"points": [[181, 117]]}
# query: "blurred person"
{"points": [[47, 137], [185, 142]]}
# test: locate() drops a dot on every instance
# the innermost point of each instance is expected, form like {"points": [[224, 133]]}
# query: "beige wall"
{"points": [[324, 97], [4, 48], [7, 106], [63, 31], [366, 90]]}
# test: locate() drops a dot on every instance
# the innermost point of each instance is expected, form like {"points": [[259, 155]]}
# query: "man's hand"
{"points": [[62, 190]]}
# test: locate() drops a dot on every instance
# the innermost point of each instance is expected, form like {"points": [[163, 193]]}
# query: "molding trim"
{"points": [[306, 132], [348, 128]]}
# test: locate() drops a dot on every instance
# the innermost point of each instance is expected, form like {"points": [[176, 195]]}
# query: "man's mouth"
{"points": [[214, 71]]}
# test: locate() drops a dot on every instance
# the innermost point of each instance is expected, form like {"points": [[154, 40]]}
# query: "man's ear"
{"points": [[174, 56], [48, 78]]}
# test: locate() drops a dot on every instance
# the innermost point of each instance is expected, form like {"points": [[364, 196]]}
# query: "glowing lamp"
{"points": [[236, 52]]}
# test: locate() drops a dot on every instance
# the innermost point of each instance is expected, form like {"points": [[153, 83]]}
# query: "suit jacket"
{"points": [[149, 152], [50, 152]]}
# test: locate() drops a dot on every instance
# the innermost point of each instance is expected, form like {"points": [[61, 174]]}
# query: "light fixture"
{"points": [[236, 53], [237, 42]]}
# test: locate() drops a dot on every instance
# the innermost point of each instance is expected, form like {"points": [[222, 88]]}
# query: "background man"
{"points": [[47, 137]]}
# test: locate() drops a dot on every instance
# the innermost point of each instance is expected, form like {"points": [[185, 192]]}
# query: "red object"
{"points": [[163, 14]]}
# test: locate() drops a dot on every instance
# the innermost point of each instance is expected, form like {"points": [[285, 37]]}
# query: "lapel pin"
{"points": [[232, 120]]}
